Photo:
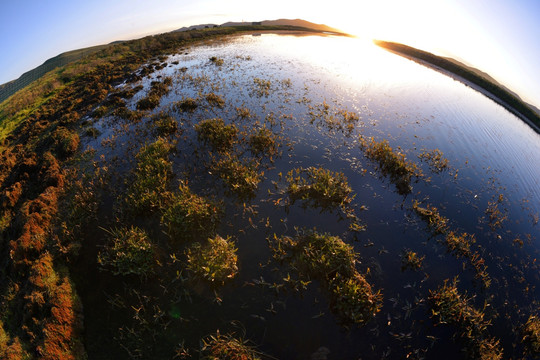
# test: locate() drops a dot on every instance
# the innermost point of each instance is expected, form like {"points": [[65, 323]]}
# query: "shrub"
{"points": [[215, 261], [214, 132], [189, 215], [148, 189], [128, 251], [319, 186]]}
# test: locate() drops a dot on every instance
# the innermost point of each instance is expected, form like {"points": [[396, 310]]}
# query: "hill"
{"points": [[10, 88], [287, 22], [469, 75]]}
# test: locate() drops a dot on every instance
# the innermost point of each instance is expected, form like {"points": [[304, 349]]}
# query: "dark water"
{"points": [[490, 152]]}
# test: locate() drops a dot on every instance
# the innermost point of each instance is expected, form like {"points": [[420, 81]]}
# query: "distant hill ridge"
{"points": [[10, 88]]}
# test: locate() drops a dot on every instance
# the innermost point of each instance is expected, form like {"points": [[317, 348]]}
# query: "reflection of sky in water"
{"points": [[414, 108]]}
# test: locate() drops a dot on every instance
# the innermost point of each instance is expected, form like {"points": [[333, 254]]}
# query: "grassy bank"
{"points": [[501, 95]]}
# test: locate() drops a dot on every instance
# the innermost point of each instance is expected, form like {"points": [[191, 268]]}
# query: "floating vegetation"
{"points": [[216, 61], [332, 119], [261, 87], [189, 216], [148, 189], [435, 160], [186, 105], [263, 143], [329, 260], [531, 336], [319, 187], [215, 261], [215, 133], [227, 347], [391, 163], [243, 113], [450, 307], [128, 251], [495, 216], [410, 260], [241, 177]]}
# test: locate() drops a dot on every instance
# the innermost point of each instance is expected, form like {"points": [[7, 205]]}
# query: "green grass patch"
{"points": [[215, 261], [319, 187], [390, 163], [189, 216], [215, 133], [240, 177], [128, 251], [147, 190], [448, 306]]}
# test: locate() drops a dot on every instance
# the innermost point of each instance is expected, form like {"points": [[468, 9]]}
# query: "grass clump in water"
{"points": [[531, 336], [435, 159], [319, 187], [128, 251], [263, 142], [214, 132], [241, 178], [331, 261], [152, 175], [450, 307], [215, 100], [437, 223], [391, 163], [157, 90], [216, 61], [411, 260], [227, 347], [215, 261], [186, 105], [165, 124], [189, 216]]}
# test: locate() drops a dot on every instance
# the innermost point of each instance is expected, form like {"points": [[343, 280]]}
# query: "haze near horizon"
{"points": [[498, 37]]}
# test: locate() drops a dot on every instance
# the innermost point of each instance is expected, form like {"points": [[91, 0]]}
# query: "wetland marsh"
{"points": [[304, 196]]}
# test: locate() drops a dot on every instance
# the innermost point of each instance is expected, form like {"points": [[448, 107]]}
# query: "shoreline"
{"points": [[532, 119]]}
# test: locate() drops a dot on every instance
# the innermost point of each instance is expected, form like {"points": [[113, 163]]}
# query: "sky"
{"points": [[500, 37]]}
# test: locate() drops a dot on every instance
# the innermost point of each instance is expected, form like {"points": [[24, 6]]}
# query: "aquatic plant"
{"points": [[437, 223], [216, 61], [459, 244], [227, 347], [531, 336], [240, 177], [148, 189], [243, 113], [215, 261], [319, 187], [188, 215], [165, 124], [331, 261], [262, 87], [411, 260], [214, 100], [263, 142], [448, 306], [214, 132], [435, 159], [495, 216], [391, 163], [186, 105], [157, 90], [127, 251]]}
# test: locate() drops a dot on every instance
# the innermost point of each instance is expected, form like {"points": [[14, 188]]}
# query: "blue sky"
{"points": [[500, 37]]}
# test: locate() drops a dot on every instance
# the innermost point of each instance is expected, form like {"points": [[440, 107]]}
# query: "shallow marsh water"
{"points": [[298, 86]]}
